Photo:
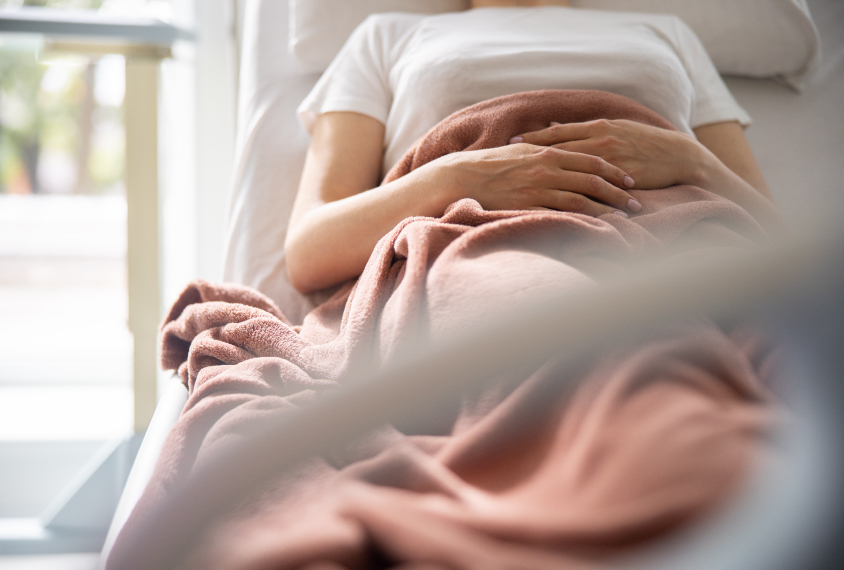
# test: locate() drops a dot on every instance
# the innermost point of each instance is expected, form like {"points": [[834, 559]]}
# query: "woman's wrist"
{"points": [[706, 171], [440, 183], [699, 164]]}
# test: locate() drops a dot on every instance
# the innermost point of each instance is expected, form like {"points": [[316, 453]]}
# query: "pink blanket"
{"points": [[526, 476]]}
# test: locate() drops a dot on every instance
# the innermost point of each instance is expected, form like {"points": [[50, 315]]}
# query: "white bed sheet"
{"points": [[798, 139]]}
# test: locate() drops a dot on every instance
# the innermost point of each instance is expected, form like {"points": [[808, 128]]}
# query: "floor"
{"points": [[83, 561]]}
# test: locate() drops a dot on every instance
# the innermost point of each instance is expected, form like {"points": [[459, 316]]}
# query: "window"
{"points": [[78, 108], [65, 350]]}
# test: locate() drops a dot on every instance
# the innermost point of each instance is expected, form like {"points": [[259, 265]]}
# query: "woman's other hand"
{"points": [[653, 157], [719, 160], [530, 177]]}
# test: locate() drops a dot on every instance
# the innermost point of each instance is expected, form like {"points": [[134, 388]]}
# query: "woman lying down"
{"points": [[522, 150]]}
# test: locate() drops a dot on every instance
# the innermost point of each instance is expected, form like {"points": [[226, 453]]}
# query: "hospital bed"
{"points": [[797, 136]]}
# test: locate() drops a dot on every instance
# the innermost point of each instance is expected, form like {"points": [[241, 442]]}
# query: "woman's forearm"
{"points": [[707, 171], [333, 241]]}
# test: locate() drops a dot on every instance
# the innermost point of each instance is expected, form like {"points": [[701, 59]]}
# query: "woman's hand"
{"points": [[722, 162], [653, 157], [530, 177]]}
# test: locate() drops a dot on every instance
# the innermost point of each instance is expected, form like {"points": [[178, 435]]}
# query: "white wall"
{"points": [[197, 115], [216, 112], [197, 122]]}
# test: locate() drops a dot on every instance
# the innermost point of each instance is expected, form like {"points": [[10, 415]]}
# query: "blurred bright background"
{"points": [[66, 351]]}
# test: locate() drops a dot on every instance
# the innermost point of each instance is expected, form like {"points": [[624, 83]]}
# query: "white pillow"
{"points": [[319, 28], [757, 38]]}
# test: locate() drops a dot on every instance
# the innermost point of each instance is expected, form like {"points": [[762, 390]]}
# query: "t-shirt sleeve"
{"points": [[358, 78], [713, 101]]}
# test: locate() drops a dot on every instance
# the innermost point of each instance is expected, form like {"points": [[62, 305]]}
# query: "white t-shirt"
{"points": [[410, 71]]}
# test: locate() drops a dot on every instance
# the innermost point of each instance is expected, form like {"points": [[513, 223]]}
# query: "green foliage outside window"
{"points": [[61, 126]]}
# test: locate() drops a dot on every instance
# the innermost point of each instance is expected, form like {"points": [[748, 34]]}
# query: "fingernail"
{"points": [[633, 205], [620, 213], [629, 182], [555, 123], [515, 140]]}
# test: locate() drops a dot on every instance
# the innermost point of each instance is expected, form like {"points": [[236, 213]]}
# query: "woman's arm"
{"points": [[335, 225], [729, 169], [729, 144], [339, 214], [720, 160]]}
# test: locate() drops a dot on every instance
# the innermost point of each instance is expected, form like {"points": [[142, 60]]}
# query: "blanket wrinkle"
{"points": [[568, 468], [204, 292]]}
